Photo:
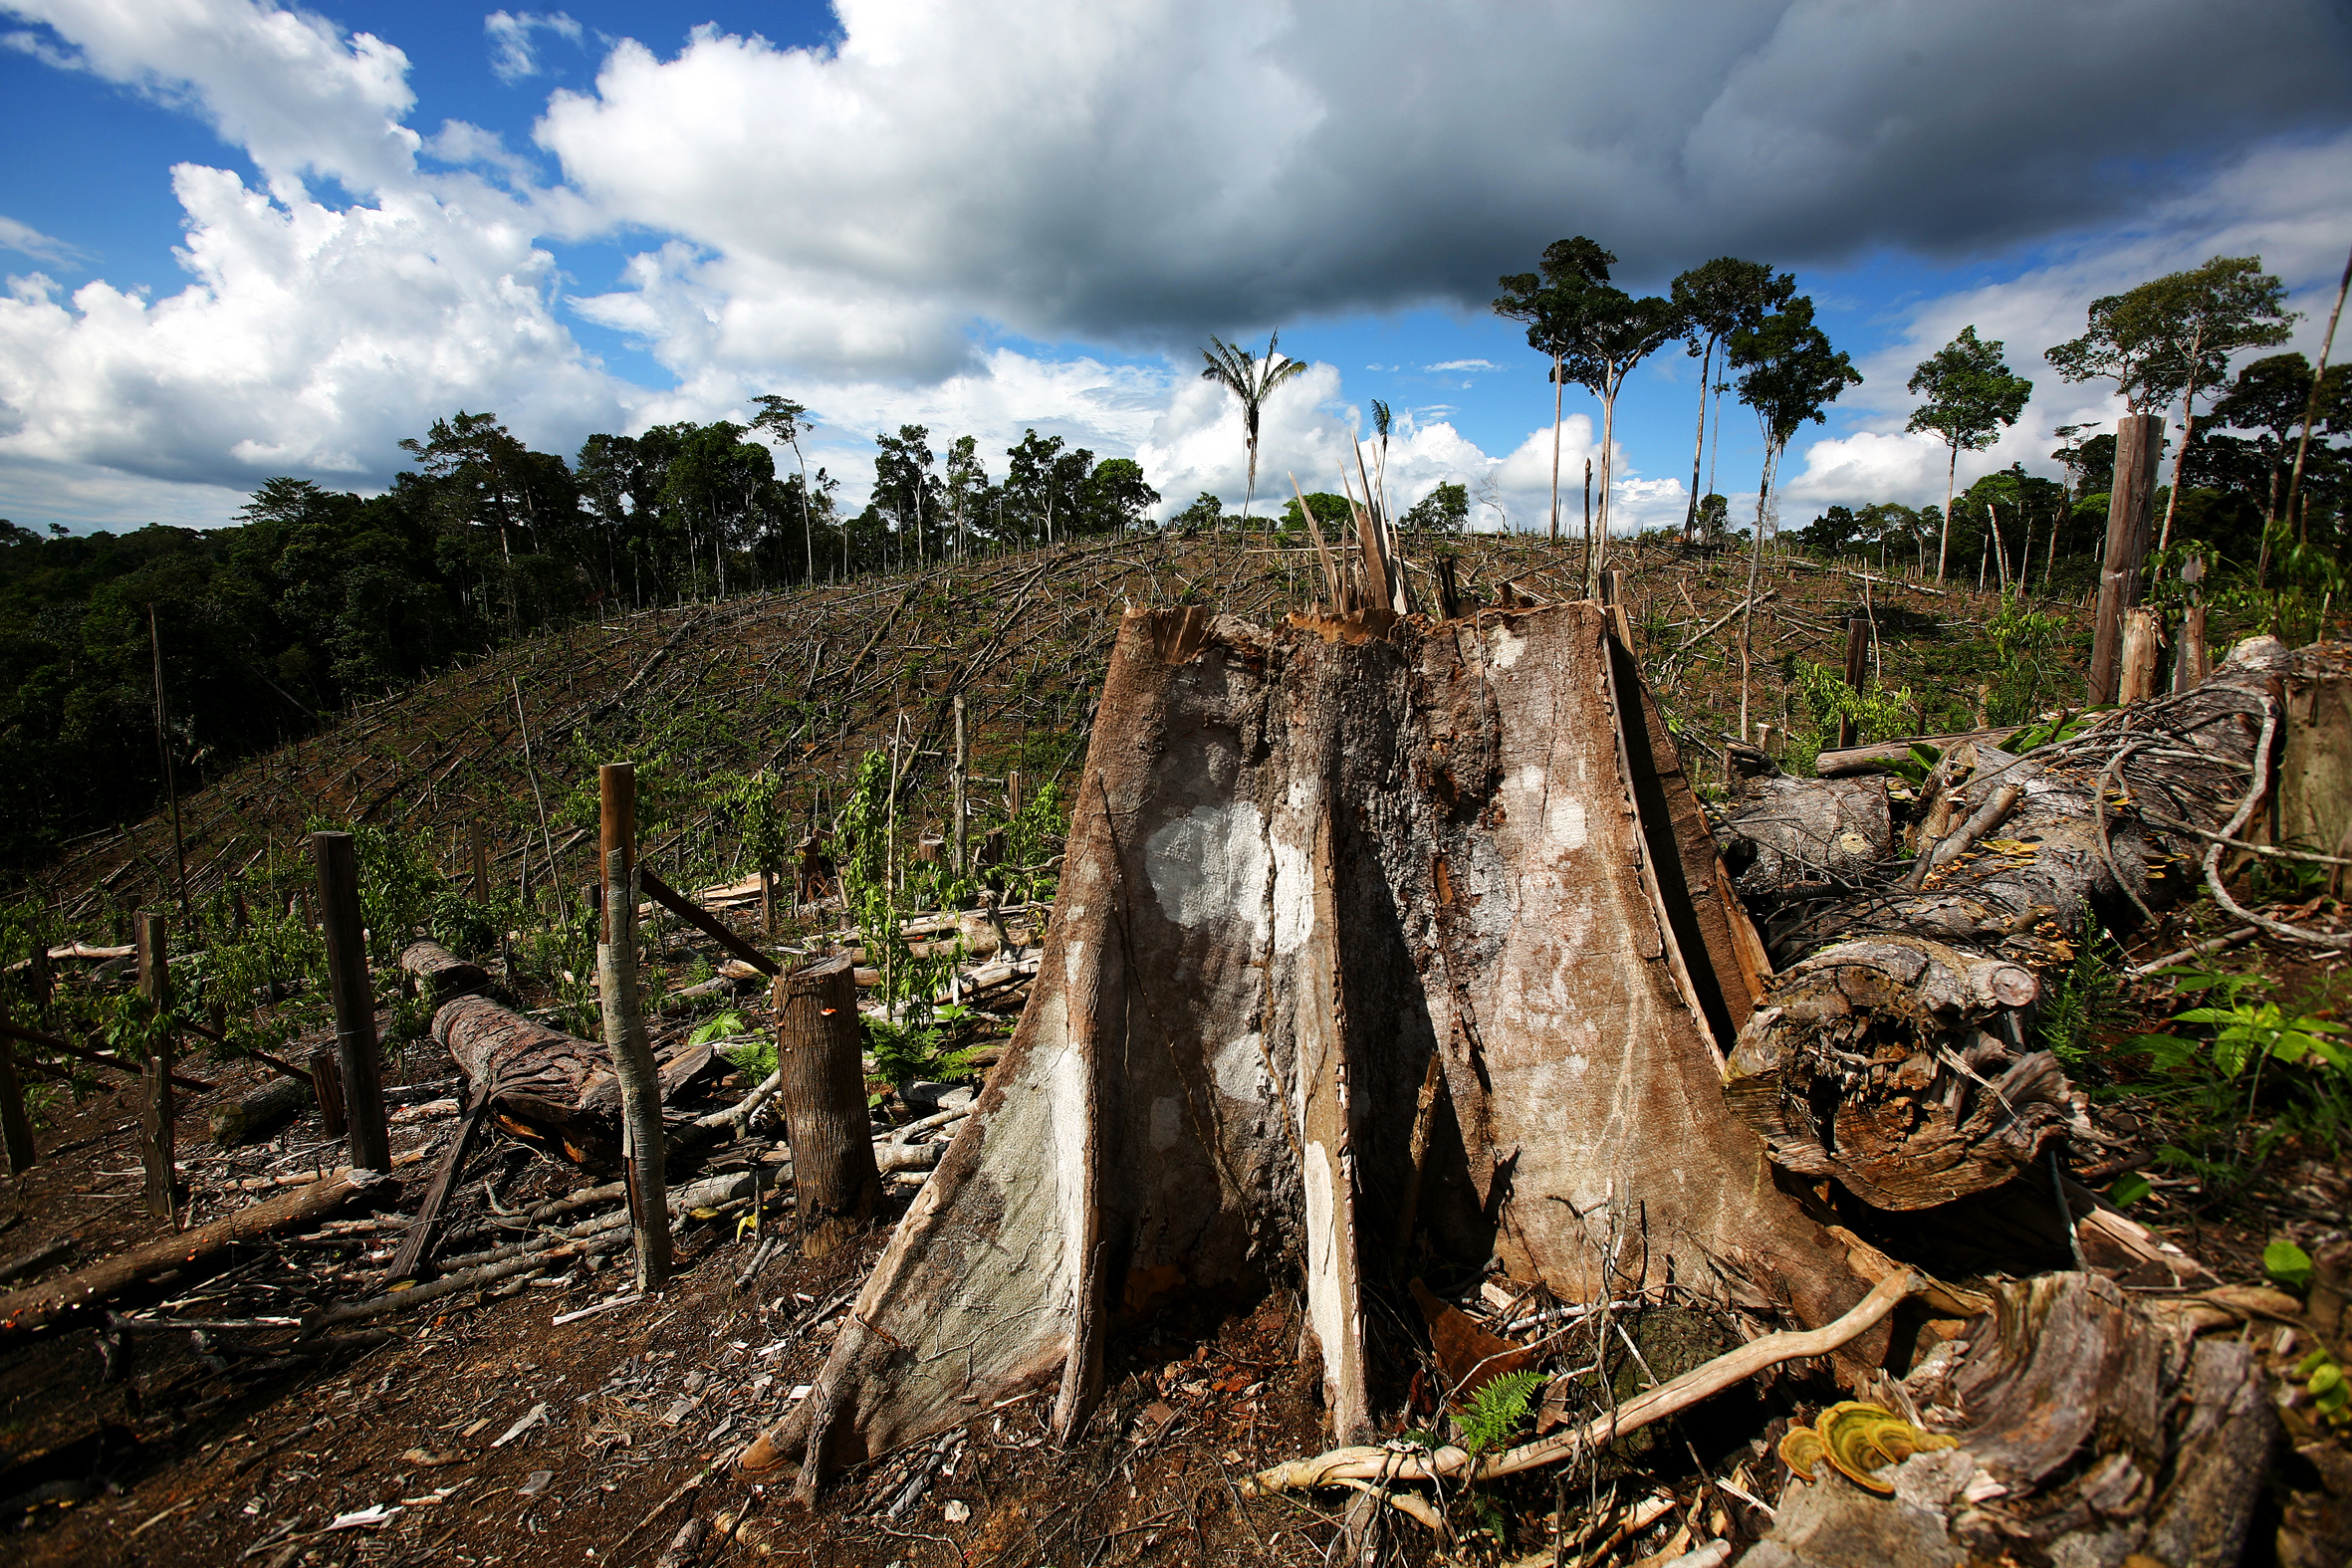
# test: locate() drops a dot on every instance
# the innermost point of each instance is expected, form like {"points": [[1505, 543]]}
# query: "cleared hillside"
{"points": [[805, 683]]}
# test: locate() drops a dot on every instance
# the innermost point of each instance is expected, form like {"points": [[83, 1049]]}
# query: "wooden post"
{"points": [[15, 1128], [155, 1108], [1857, 671], [624, 1028], [355, 1001], [1013, 792], [478, 854], [962, 761], [834, 1178], [326, 1090], [2191, 662], [2139, 442], [2143, 639]]}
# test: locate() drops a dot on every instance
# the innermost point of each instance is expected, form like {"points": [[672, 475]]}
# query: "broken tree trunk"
{"points": [[1892, 1053], [1301, 864], [836, 1182], [442, 972], [258, 1112], [545, 1086], [73, 1295]]}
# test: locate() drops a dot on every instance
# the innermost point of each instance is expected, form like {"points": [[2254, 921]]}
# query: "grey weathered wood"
{"points": [[625, 1025], [1862, 758], [354, 1001], [2139, 442], [442, 972]]}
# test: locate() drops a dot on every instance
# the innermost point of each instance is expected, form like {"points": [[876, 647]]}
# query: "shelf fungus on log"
{"points": [[1303, 866], [1892, 1051], [548, 1087]]}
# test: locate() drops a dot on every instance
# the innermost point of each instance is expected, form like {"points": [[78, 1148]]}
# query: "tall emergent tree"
{"points": [[1791, 375], [1717, 298], [1621, 331], [785, 419], [1970, 396], [1553, 303], [1250, 379]]}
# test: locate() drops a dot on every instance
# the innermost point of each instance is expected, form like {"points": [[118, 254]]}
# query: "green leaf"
{"points": [[2287, 1264], [2325, 1379], [2129, 1188], [719, 1027]]}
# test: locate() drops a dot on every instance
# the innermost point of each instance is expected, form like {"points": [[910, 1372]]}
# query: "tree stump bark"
{"points": [[2314, 795], [1303, 866], [836, 1183]]}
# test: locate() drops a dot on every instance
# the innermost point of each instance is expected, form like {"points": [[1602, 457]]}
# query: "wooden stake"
{"points": [[326, 1090], [962, 760], [478, 854], [625, 1025], [2143, 639], [822, 1092], [1857, 671], [2138, 440], [355, 1001], [155, 1107], [15, 1128]]}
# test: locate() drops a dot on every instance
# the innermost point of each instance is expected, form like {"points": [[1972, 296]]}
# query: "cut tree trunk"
{"points": [[73, 1297], [836, 1182], [2315, 762], [442, 972], [1302, 864], [1892, 1053], [546, 1087], [258, 1112]]}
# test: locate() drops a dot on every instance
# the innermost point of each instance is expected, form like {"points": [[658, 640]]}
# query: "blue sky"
{"points": [[242, 240]]}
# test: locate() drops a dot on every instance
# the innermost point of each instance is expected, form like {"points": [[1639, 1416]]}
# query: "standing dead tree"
{"points": [[1304, 865]]}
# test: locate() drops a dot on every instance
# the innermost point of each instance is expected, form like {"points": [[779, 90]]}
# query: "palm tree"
{"points": [[1250, 379]]}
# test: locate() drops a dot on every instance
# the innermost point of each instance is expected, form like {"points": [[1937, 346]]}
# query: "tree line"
{"points": [[318, 597]]}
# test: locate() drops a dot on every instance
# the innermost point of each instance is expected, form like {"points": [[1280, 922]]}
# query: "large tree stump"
{"points": [[2314, 799], [1303, 866], [836, 1182]]}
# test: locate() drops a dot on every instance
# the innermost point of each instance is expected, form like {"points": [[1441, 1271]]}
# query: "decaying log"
{"points": [[546, 1086], [1790, 833], [1844, 761], [84, 1291], [1301, 863], [2083, 1421], [1893, 1052], [443, 972], [258, 1112]]}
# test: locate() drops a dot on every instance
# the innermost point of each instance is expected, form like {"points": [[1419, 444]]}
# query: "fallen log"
{"points": [[442, 973], [259, 1112], [76, 1296], [1843, 761], [94, 1058], [551, 1088], [1303, 866], [1892, 1052]]}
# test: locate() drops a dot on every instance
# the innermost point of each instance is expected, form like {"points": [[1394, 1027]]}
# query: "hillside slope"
{"points": [[806, 682]]}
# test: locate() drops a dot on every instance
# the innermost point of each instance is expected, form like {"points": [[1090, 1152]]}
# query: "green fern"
{"points": [[1497, 1411]]}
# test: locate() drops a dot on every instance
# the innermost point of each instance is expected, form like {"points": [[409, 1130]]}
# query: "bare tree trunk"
{"points": [[624, 1028], [1944, 543], [823, 1093], [1559, 389]]}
